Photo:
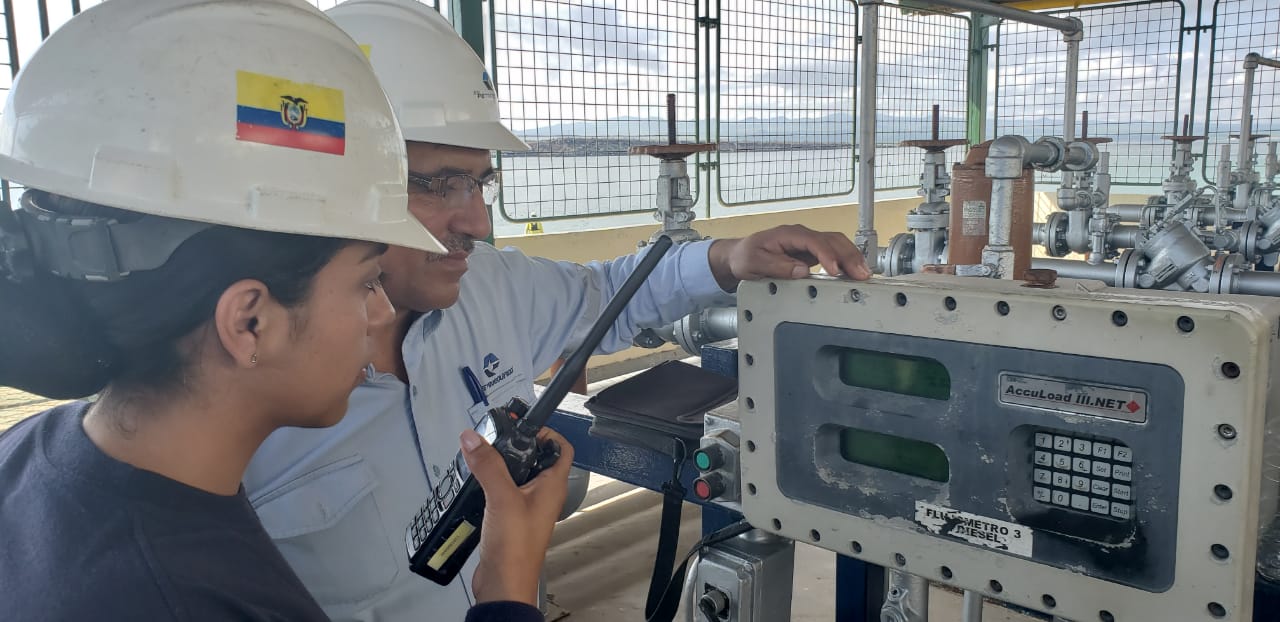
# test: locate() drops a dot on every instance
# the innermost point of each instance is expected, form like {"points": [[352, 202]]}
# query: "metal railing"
{"points": [[923, 61], [785, 75], [581, 83], [1239, 27]]}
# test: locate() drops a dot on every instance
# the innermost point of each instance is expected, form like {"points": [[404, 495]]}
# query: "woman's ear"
{"points": [[241, 316]]}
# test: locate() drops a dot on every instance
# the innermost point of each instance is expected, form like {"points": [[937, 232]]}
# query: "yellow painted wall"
{"points": [[583, 246]]}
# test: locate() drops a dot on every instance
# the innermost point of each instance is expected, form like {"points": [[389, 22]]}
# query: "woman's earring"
{"points": [[253, 360]]}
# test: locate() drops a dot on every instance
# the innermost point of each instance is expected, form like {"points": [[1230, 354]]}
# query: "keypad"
{"points": [[427, 517], [1085, 475]]}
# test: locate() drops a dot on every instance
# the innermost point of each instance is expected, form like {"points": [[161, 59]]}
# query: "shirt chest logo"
{"points": [[494, 371]]}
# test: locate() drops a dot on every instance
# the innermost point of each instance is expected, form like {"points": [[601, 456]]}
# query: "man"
{"points": [[473, 329]]}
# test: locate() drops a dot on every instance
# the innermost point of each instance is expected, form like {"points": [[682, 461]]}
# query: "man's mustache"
{"points": [[454, 243]]}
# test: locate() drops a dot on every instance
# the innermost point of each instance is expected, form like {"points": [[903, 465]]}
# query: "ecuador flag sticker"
{"points": [[276, 111]]}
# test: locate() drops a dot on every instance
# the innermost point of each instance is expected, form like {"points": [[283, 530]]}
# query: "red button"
{"points": [[702, 489]]}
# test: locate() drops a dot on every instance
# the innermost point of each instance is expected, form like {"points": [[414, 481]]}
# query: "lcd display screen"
{"points": [[915, 376], [895, 453]]}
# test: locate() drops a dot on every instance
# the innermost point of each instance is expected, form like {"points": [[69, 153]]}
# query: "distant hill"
{"points": [[833, 131]]}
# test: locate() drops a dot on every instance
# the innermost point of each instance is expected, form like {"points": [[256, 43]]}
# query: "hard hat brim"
{"points": [[489, 135], [406, 232]]}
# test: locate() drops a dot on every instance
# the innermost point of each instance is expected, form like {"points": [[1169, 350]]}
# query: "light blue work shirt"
{"points": [[336, 501]]}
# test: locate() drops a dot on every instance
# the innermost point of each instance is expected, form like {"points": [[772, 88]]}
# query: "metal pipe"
{"points": [[1078, 230], [1124, 236], [918, 598], [1001, 212], [1128, 212], [690, 580], [866, 235], [972, 606], [1065, 26], [907, 600], [671, 118], [1245, 158], [1005, 159], [1039, 233], [1246, 163], [1068, 269], [1248, 282], [1224, 168], [1070, 79], [1257, 283]]}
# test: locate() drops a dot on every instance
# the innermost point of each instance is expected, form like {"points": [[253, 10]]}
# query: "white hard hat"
{"points": [[439, 88], [259, 115]]}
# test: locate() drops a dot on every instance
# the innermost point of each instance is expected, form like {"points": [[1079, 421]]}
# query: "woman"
{"points": [[211, 281]]}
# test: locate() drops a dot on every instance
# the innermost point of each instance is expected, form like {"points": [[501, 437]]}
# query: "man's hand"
{"points": [[517, 520], [785, 252]]}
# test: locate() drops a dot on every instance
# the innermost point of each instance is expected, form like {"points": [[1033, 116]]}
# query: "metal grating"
{"points": [[1241, 27], [786, 99], [1129, 83], [923, 60], [581, 82]]}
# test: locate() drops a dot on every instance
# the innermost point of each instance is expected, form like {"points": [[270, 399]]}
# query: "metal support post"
{"points": [[866, 237], [972, 606], [979, 35]]}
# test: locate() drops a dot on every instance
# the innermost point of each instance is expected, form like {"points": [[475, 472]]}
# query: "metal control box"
{"points": [[1094, 453]]}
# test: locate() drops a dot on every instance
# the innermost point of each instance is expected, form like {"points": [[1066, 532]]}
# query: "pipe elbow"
{"points": [[1006, 156], [1076, 34], [1007, 146], [1251, 60]]}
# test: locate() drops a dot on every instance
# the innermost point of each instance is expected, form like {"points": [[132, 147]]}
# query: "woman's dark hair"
{"points": [[66, 338]]}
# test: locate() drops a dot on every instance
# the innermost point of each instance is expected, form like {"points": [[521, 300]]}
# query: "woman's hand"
{"points": [[517, 520]]}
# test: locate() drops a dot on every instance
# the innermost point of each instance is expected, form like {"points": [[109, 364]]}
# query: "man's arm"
{"points": [[565, 298], [560, 300], [786, 252]]}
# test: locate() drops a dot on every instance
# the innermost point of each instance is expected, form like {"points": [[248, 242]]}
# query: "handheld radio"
{"points": [[447, 529]]}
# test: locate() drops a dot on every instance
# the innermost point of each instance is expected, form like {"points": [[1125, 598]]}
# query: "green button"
{"points": [[701, 459]]}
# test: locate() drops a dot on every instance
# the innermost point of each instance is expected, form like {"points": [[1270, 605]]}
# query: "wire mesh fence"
{"points": [[785, 99], [1240, 27], [582, 82], [1129, 83], [923, 61]]}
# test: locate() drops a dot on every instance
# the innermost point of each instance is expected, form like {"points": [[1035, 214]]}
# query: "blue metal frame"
{"points": [[638, 466], [1266, 599]]}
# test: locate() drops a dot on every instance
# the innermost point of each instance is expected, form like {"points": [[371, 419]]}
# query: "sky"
{"points": [[565, 61]]}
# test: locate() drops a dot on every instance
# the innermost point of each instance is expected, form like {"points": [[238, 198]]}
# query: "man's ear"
{"points": [[240, 317]]}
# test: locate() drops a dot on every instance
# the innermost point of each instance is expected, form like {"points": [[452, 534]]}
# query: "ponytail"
{"points": [[47, 346], [68, 338]]}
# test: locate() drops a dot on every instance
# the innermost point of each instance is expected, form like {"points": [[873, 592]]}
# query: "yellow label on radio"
{"points": [[451, 545]]}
